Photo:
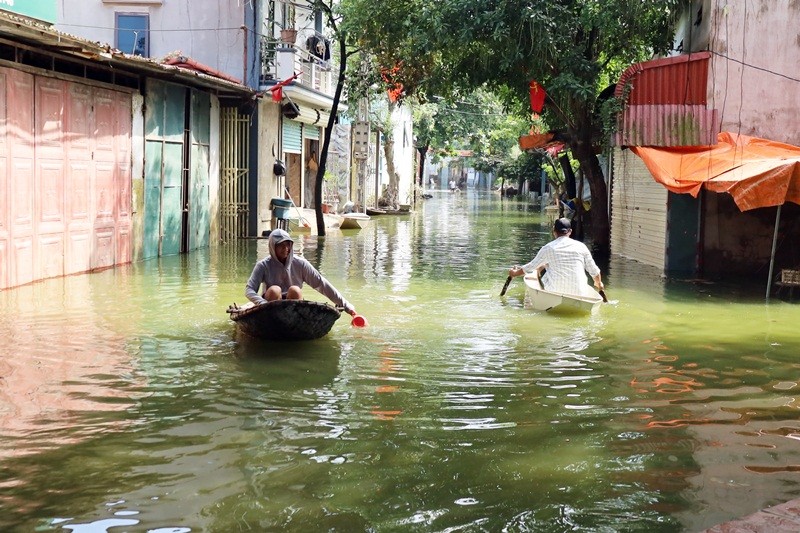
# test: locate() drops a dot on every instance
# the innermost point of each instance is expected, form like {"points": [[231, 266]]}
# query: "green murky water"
{"points": [[129, 403]]}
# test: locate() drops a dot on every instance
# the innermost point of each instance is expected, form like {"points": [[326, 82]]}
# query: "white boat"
{"points": [[353, 220], [544, 300]]}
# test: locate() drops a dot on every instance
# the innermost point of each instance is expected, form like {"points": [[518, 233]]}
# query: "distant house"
{"points": [[736, 72]]}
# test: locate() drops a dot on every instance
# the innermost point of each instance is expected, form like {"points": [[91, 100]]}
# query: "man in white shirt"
{"points": [[567, 261]]}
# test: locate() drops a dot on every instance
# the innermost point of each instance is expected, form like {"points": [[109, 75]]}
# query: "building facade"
{"points": [[107, 158], [733, 71]]}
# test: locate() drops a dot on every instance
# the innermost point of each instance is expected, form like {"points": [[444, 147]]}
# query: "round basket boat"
{"points": [[286, 320]]}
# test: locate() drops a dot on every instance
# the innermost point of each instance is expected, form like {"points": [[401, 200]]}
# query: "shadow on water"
{"points": [[288, 365]]}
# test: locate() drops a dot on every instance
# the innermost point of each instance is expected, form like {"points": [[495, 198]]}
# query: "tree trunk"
{"points": [[390, 197], [423, 152], [323, 156], [590, 166]]}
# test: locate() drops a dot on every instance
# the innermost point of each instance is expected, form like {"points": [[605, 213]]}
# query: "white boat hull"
{"points": [[543, 300], [353, 221]]}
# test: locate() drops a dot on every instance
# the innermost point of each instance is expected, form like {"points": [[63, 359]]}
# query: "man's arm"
{"points": [[537, 263], [254, 284], [312, 276]]}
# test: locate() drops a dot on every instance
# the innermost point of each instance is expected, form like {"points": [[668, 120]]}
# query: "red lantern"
{"points": [[537, 95]]}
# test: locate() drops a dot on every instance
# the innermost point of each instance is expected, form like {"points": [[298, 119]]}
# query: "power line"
{"points": [[756, 67], [446, 110]]}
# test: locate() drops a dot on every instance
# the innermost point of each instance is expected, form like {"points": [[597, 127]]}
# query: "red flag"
{"points": [[537, 95], [277, 94]]}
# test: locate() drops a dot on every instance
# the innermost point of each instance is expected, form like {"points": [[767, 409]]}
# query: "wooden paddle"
{"points": [[505, 286], [603, 295]]}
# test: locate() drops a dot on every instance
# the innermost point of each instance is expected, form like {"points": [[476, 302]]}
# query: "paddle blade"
{"points": [[505, 286], [603, 295], [359, 321]]}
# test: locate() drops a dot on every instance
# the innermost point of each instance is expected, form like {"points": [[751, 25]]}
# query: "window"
{"points": [[133, 33]]}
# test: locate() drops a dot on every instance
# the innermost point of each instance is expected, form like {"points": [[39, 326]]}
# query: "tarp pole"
{"points": [[772, 256]]}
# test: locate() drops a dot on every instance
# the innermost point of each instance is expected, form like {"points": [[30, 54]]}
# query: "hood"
{"points": [[276, 237]]}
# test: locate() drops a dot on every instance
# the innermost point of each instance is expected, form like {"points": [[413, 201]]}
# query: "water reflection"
{"points": [[129, 396]]}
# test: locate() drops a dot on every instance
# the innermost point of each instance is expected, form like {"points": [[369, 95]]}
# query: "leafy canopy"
{"points": [[574, 48]]}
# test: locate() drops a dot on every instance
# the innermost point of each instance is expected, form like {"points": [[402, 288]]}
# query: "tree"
{"points": [[476, 123], [573, 48], [381, 120], [345, 51]]}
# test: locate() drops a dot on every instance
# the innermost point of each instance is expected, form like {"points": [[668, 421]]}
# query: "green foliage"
{"points": [[574, 48], [477, 123], [528, 167]]}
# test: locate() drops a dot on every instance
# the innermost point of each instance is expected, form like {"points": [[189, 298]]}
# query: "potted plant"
{"points": [[289, 32]]}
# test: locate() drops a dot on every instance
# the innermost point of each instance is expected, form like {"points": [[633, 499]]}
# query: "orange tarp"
{"points": [[756, 172], [535, 140]]}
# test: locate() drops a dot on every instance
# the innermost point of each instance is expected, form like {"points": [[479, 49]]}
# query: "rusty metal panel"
{"points": [[665, 103], [49, 199], [78, 178], [123, 177], [667, 125], [680, 80]]}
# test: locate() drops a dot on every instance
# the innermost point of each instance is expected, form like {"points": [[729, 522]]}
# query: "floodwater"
{"points": [[128, 402]]}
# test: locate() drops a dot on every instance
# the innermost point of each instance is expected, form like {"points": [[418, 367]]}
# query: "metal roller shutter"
{"points": [[639, 212], [292, 137], [311, 132]]}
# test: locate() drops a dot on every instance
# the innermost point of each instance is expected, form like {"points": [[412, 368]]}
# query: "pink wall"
{"points": [[756, 50]]}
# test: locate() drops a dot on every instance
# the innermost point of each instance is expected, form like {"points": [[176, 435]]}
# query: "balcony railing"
{"points": [[310, 56]]}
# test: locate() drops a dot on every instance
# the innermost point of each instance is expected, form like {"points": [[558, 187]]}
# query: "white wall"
{"points": [[404, 152], [208, 31]]}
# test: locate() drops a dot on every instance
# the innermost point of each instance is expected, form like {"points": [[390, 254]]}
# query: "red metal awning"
{"points": [[666, 103]]}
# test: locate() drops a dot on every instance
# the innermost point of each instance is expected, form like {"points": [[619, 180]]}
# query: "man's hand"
{"points": [[515, 271]]}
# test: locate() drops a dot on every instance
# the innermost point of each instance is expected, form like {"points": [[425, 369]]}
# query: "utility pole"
{"points": [[361, 136]]}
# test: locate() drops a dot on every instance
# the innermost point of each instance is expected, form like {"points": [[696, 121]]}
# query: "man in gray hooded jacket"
{"points": [[283, 275]]}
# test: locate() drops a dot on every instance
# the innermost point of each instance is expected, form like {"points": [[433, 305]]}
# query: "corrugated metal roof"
{"points": [[667, 125], [666, 103], [679, 79]]}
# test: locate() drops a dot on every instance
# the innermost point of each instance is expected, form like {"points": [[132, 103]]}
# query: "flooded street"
{"points": [[128, 402]]}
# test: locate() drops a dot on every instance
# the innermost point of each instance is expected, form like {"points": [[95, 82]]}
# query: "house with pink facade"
{"points": [[734, 70], [106, 157]]}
